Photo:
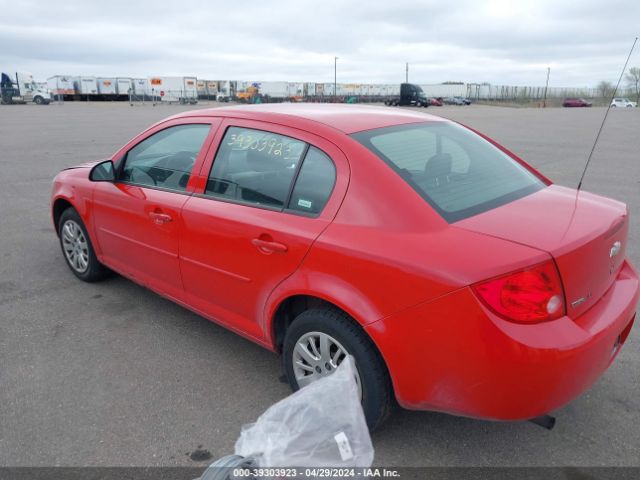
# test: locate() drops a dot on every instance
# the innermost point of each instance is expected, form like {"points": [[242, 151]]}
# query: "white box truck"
{"points": [[174, 89], [22, 89]]}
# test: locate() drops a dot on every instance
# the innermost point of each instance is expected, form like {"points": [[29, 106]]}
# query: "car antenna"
{"points": [[606, 113]]}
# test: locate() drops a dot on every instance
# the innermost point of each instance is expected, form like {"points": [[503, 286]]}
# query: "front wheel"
{"points": [[38, 101], [319, 340], [77, 248]]}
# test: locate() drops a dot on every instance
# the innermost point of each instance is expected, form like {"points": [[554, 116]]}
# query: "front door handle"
{"points": [[267, 246], [160, 218]]}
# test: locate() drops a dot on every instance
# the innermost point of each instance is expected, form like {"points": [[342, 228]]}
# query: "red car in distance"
{"points": [[460, 278], [575, 102]]}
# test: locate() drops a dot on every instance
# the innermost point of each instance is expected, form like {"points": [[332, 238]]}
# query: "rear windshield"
{"points": [[456, 171]]}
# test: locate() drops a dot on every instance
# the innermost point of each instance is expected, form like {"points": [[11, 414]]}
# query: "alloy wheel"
{"points": [[75, 246], [317, 355]]}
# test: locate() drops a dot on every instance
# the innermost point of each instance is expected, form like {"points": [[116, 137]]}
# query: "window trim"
{"points": [[122, 160], [285, 208]]}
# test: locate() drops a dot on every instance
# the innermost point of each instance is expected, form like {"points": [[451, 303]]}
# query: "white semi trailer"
{"points": [[86, 87], [174, 89], [107, 88], [123, 86], [61, 86]]}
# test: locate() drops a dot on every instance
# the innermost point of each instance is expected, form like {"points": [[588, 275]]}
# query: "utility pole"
{"points": [[407, 73], [335, 78], [544, 102]]}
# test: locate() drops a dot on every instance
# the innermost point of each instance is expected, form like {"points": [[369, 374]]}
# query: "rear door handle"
{"points": [[266, 246], [160, 218]]}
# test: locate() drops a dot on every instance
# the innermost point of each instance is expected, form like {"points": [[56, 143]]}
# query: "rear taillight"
{"points": [[526, 296]]}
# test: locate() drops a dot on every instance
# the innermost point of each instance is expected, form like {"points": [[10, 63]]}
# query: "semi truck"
{"points": [[22, 89], [410, 94]]}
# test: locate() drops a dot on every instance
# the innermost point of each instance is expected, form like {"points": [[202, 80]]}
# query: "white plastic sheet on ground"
{"points": [[320, 425]]}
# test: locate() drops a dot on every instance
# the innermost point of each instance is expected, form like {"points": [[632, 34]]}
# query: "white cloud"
{"points": [[498, 41]]}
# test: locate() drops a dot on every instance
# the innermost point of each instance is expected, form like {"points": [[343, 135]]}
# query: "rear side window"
{"points": [[255, 166], [314, 183], [165, 159], [456, 171]]}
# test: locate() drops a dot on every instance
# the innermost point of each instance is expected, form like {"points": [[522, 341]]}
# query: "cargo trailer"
{"points": [[212, 89], [86, 87], [123, 85], [274, 90], [140, 87], [61, 86], [106, 87], [174, 89]]}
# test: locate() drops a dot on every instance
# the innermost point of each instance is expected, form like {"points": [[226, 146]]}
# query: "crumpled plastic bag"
{"points": [[320, 425]]}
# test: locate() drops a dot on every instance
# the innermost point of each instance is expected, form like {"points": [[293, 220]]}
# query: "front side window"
{"points": [[456, 171], [255, 166], [166, 158]]}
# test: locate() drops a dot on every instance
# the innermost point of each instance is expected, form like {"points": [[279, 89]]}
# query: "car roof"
{"points": [[346, 118]]}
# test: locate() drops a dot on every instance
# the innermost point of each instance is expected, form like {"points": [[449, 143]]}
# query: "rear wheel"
{"points": [[319, 340], [77, 248]]}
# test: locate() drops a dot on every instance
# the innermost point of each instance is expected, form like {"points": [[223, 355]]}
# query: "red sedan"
{"points": [[460, 279], [575, 102]]}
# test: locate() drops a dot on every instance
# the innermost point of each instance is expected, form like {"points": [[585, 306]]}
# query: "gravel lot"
{"points": [[111, 374]]}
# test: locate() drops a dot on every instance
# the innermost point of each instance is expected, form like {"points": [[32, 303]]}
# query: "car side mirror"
{"points": [[103, 172]]}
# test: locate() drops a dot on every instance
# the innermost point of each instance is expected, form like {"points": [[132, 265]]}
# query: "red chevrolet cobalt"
{"points": [[460, 279]]}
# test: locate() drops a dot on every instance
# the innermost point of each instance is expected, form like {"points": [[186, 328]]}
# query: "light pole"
{"points": [[407, 73], [335, 78], [546, 86]]}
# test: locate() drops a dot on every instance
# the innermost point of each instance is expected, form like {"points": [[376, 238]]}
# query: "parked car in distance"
{"points": [[453, 101], [464, 100], [435, 102], [623, 102], [575, 102], [460, 278]]}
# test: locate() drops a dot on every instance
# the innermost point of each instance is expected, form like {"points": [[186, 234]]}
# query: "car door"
{"points": [[137, 217], [263, 200]]}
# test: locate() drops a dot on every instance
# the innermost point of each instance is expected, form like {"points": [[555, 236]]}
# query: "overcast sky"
{"points": [[496, 41]]}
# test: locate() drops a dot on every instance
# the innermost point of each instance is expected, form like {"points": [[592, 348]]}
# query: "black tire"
{"points": [[374, 378], [38, 100], [223, 468], [94, 270]]}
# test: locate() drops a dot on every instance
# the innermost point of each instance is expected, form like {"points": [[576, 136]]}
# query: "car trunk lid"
{"points": [[586, 234]]}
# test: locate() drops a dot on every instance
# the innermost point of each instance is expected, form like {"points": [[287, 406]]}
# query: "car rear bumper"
{"points": [[453, 355]]}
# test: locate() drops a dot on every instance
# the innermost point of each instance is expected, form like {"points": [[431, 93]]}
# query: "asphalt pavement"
{"points": [[110, 373]]}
